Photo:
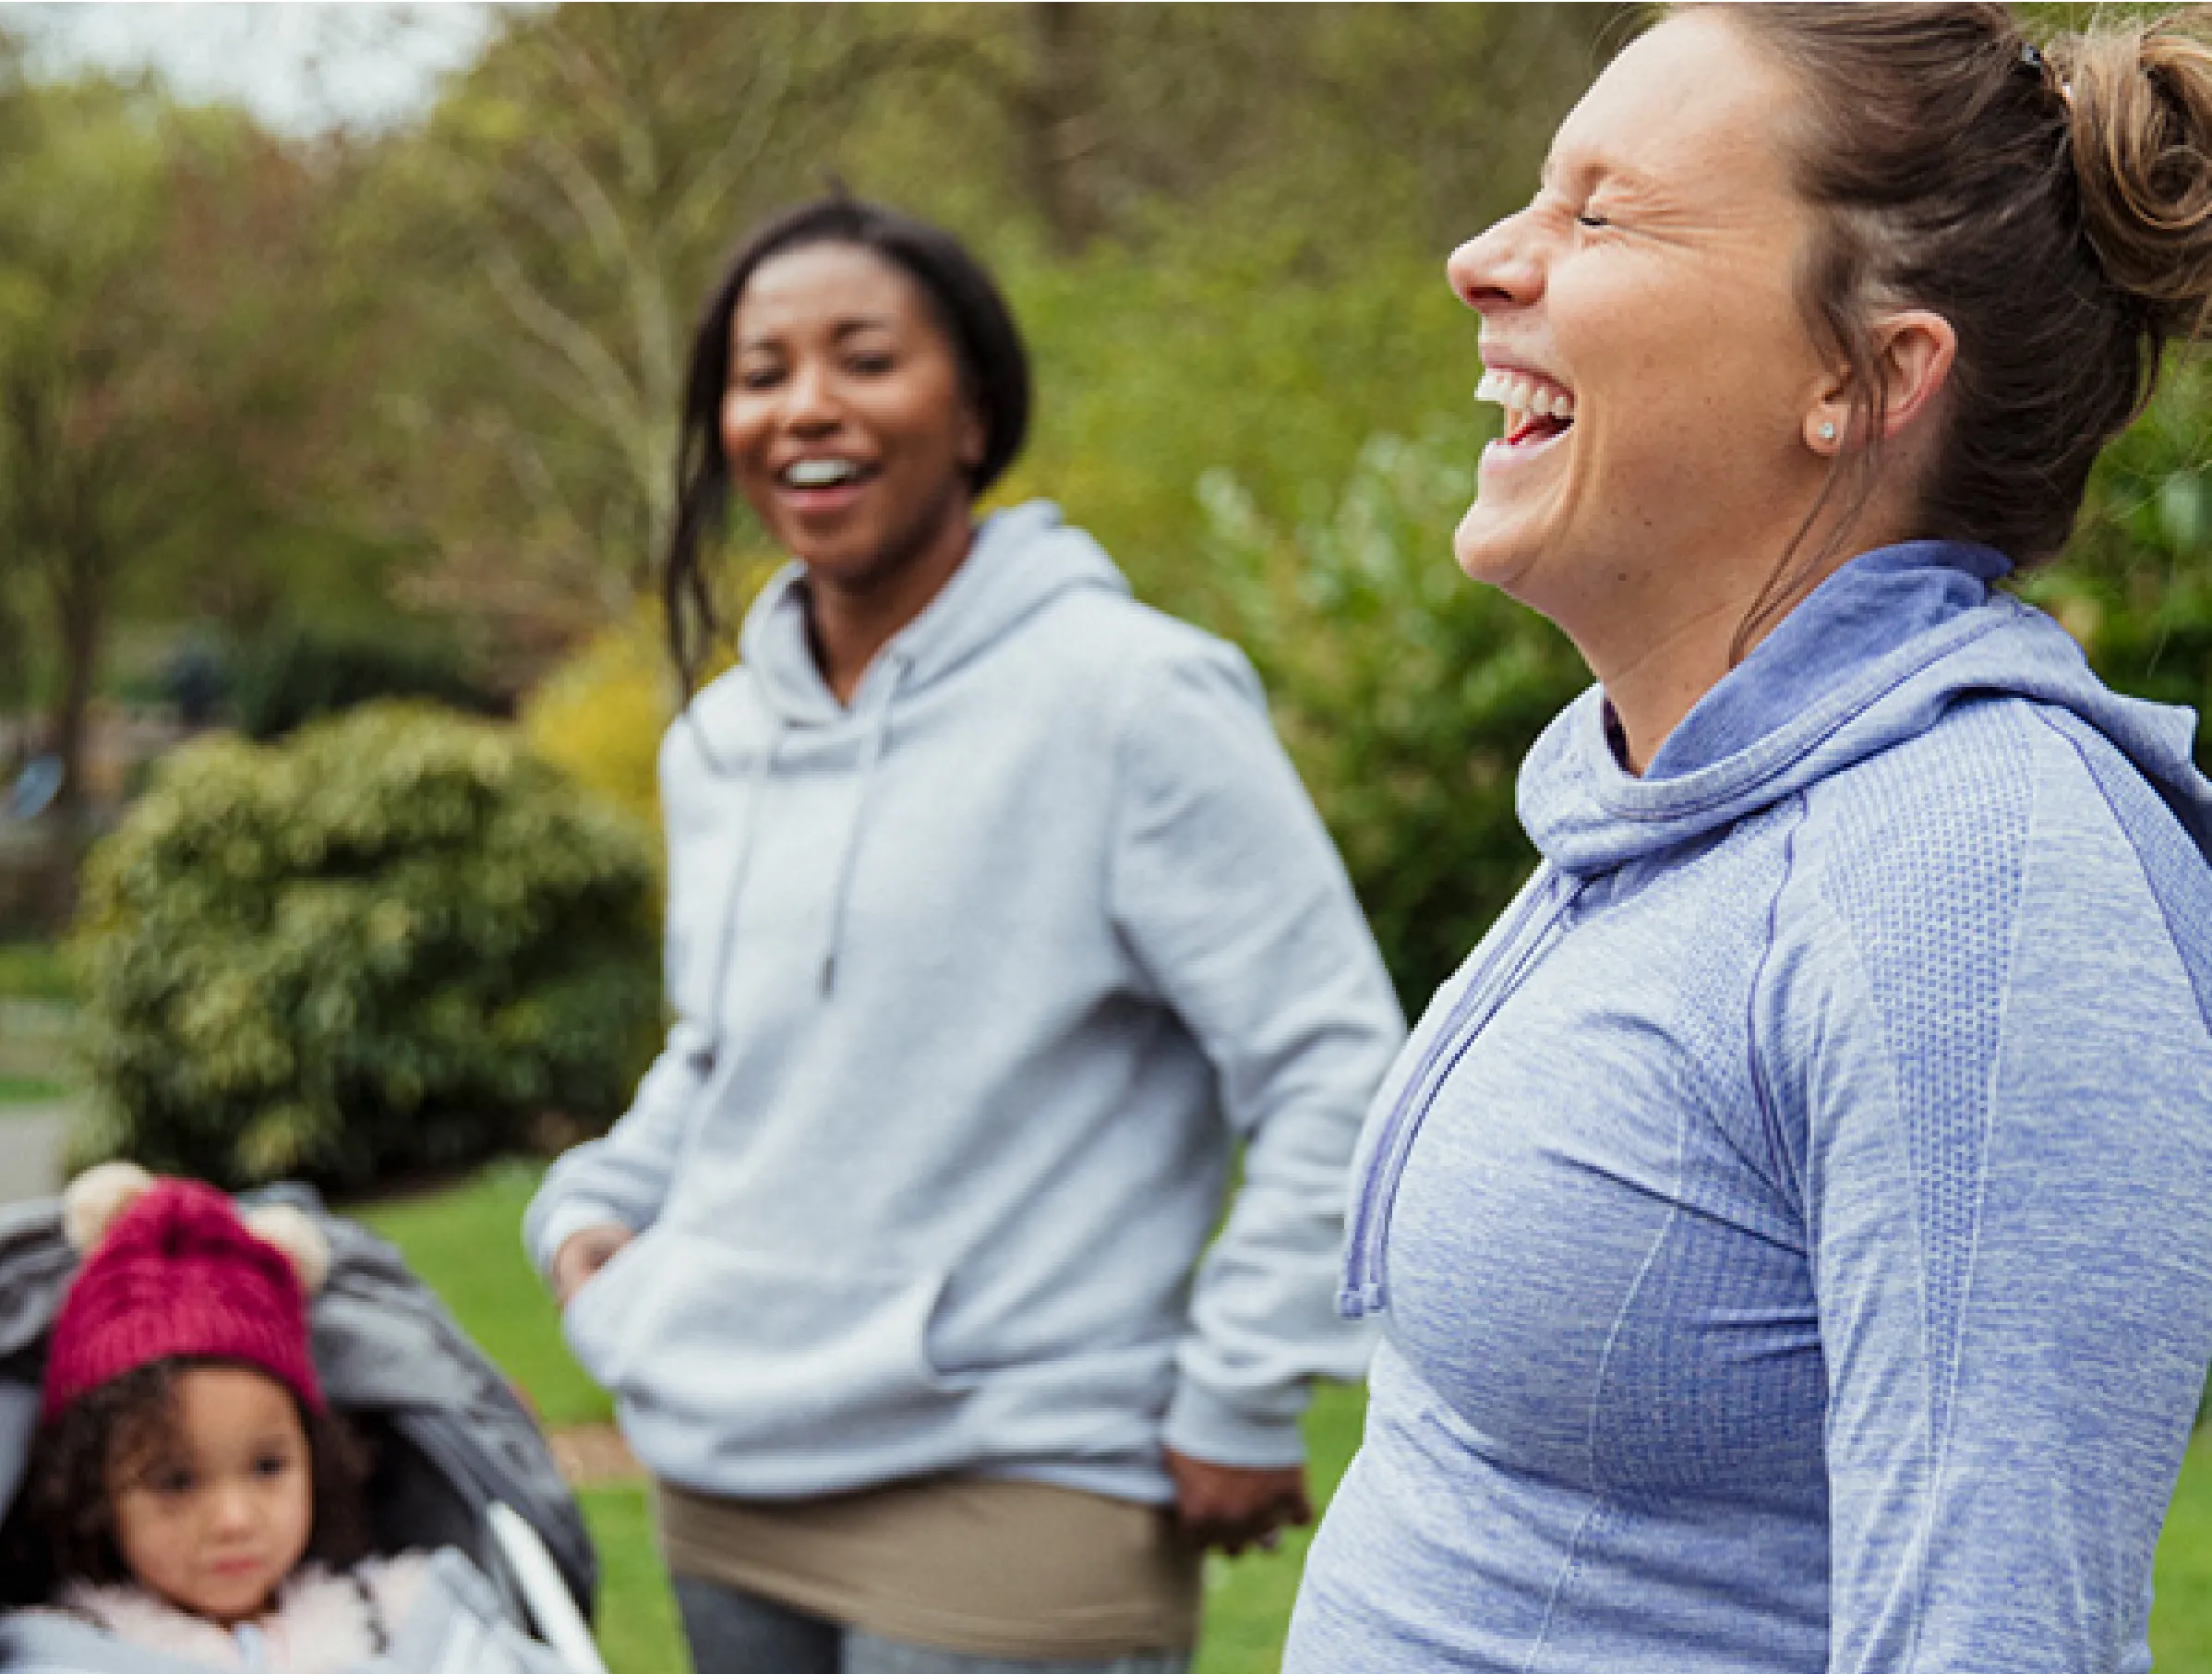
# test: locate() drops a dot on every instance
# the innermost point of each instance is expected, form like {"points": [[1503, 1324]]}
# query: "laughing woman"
{"points": [[996, 917], [1793, 1228]]}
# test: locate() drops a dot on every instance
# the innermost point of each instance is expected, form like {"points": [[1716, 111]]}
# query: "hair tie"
{"points": [[2032, 58]]}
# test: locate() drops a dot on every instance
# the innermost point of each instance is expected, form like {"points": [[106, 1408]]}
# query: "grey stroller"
{"points": [[459, 1463]]}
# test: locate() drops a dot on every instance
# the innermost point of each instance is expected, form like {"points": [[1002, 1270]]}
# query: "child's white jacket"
{"points": [[427, 1614]]}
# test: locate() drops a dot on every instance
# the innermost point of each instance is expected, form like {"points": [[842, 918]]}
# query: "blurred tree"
{"points": [[80, 352], [548, 236], [177, 367]]}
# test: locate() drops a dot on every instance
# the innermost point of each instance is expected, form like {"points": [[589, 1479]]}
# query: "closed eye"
{"points": [[1591, 221]]}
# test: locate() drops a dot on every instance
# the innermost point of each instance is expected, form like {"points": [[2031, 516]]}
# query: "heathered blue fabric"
{"points": [[979, 982], [1801, 1259]]}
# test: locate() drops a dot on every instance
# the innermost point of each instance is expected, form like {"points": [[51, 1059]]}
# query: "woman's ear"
{"points": [[1912, 353], [975, 434], [1915, 350]]}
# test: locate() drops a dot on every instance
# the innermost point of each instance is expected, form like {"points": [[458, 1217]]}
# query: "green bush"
{"points": [[396, 941], [1407, 694], [297, 674]]}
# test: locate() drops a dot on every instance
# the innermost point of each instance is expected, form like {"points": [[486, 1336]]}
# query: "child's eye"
{"points": [[272, 1464], [173, 1480]]}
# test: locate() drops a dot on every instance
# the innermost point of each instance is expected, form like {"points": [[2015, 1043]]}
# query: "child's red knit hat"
{"points": [[174, 1272]]}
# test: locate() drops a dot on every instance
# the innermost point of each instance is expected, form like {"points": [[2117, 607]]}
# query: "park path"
{"points": [[592, 1455], [31, 1141], [34, 1036]]}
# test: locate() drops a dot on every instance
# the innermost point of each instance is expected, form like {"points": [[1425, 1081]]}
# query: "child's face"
{"points": [[218, 1516]]}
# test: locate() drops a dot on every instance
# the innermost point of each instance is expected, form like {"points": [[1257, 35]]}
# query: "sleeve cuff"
{"points": [[1205, 1427], [565, 1222]]}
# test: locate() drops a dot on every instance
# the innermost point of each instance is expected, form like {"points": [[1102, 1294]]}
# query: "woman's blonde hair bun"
{"points": [[2140, 96]]}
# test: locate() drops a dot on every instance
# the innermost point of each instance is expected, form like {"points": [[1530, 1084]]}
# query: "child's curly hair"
{"points": [[63, 1525]]}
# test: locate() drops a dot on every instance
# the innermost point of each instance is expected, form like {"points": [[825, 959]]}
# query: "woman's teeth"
{"points": [[820, 473], [1522, 395]]}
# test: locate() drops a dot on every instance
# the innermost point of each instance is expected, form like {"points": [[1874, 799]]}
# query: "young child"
{"points": [[188, 1485]]}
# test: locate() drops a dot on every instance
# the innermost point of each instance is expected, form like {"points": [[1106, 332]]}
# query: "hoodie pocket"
{"points": [[745, 1341]]}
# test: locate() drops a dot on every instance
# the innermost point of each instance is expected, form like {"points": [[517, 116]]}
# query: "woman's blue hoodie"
{"points": [[978, 984], [1793, 1228]]}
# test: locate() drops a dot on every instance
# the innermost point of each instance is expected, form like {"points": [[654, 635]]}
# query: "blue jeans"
{"points": [[735, 1632]]}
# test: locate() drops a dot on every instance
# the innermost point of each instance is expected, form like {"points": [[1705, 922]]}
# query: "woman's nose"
{"points": [[1499, 269], [810, 397]]}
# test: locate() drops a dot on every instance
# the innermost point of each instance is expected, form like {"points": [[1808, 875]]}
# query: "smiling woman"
{"points": [[1792, 1229], [860, 381], [996, 917], [835, 427]]}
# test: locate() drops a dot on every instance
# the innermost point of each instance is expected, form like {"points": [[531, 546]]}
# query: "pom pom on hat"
{"points": [[173, 1273], [96, 1197], [299, 1238]]}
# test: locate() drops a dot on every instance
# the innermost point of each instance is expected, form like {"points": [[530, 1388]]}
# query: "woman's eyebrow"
{"points": [[1591, 171], [850, 327]]}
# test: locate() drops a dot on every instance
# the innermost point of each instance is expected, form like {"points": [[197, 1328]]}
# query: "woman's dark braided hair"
{"points": [[63, 1525], [987, 347]]}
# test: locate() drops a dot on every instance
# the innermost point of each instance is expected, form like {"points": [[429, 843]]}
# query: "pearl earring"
{"points": [[1827, 430]]}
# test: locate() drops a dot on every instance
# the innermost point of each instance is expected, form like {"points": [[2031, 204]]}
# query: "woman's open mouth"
{"points": [[824, 482], [1538, 411]]}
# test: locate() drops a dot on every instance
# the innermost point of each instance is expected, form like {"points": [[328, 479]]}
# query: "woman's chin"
{"points": [[1493, 548]]}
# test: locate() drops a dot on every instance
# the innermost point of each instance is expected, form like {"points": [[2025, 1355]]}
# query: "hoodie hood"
{"points": [[1873, 657], [1022, 559]]}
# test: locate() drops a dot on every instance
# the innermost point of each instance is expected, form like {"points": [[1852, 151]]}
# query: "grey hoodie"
{"points": [[977, 983]]}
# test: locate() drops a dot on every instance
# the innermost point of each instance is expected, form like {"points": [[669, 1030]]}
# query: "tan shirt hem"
{"points": [[981, 1566]]}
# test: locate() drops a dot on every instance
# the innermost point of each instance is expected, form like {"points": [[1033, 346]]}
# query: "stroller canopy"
{"points": [[451, 1438]]}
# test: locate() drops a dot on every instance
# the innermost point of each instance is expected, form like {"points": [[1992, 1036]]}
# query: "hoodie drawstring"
{"points": [[757, 791], [872, 757], [1530, 931]]}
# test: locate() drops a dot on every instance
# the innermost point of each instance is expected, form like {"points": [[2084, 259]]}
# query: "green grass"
{"points": [[637, 1630], [465, 1243], [2180, 1621], [33, 970], [30, 1090]]}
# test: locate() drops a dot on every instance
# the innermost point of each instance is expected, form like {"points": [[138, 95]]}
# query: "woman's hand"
{"points": [[1225, 1506], [584, 1253]]}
